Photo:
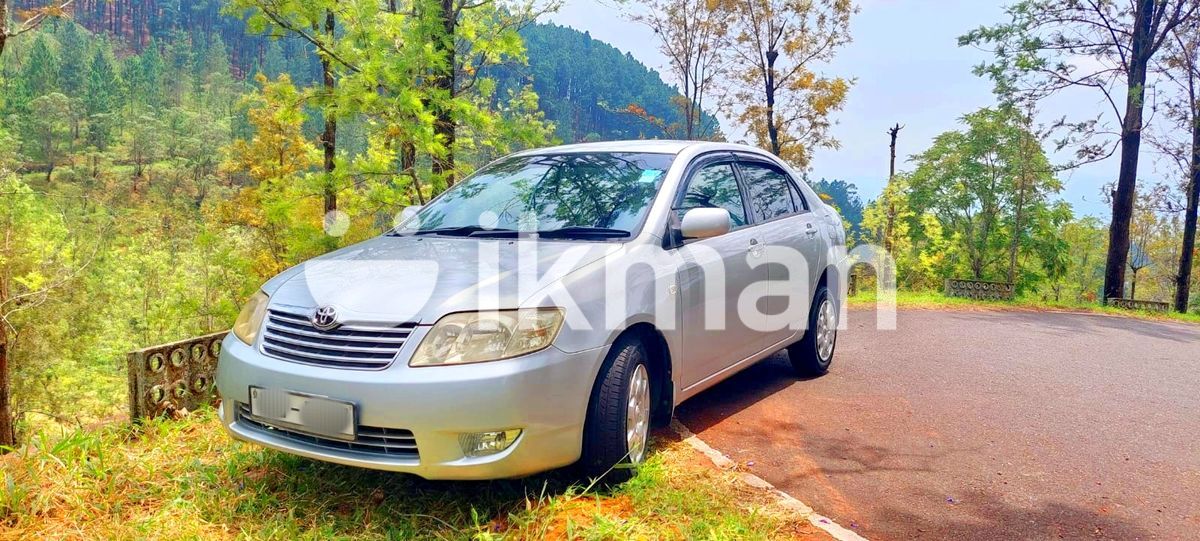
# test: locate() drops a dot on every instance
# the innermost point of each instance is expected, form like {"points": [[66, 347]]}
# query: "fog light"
{"points": [[487, 443]]}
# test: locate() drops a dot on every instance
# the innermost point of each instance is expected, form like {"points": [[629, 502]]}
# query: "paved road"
{"points": [[980, 425]]}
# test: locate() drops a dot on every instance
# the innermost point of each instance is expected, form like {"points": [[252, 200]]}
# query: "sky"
{"points": [[908, 69]]}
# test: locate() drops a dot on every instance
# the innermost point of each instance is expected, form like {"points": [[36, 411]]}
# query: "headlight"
{"points": [[475, 337], [250, 320]]}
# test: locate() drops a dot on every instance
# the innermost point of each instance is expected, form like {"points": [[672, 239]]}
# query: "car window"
{"points": [[770, 191], [797, 198], [715, 186]]}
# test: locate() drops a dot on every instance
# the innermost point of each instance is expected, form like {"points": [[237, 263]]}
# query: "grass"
{"points": [[936, 300], [185, 479]]}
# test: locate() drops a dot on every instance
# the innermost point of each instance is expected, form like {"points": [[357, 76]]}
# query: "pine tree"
{"points": [[101, 99], [153, 69], [273, 63], [40, 71], [72, 75]]}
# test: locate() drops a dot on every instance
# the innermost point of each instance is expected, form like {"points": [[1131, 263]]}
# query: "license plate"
{"points": [[316, 415]]}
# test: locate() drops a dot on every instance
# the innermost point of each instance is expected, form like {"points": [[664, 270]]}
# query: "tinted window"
{"points": [[715, 186], [770, 191], [797, 199]]}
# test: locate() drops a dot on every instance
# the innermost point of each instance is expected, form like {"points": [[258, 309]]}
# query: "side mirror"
{"points": [[703, 223]]}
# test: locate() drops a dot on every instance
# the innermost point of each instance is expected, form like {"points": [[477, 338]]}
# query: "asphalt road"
{"points": [[980, 425]]}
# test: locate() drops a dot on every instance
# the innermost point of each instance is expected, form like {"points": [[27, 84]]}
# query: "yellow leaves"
{"points": [[278, 149], [804, 100]]}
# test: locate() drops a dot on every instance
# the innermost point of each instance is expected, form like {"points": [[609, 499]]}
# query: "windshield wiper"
{"points": [[584, 232], [466, 231]]}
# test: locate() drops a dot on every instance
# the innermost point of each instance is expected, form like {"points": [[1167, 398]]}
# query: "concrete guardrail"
{"points": [[173, 377], [1149, 306], [980, 290]]}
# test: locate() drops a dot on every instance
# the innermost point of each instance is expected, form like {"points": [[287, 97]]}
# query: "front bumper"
{"points": [[545, 394]]}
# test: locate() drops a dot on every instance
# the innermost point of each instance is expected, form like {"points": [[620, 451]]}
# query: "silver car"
{"points": [[546, 311]]}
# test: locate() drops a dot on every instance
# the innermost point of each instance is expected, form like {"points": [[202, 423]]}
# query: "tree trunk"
{"points": [[1133, 287], [893, 132], [408, 167], [3, 24], [1131, 142], [8, 430], [329, 136], [1018, 225], [772, 129], [1183, 279], [444, 122]]}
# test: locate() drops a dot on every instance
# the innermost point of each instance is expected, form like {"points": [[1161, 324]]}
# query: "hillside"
{"points": [[583, 101], [587, 85]]}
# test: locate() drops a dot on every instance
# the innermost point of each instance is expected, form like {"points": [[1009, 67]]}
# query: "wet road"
{"points": [[980, 425]]}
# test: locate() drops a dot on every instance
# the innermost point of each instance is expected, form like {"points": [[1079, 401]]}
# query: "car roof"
{"points": [[655, 146]]}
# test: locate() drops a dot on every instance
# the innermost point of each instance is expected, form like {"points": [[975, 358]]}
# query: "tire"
{"points": [[811, 356], [606, 433]]}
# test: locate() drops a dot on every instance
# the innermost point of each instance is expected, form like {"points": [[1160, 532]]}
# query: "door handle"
{"points": [[810, 230]]}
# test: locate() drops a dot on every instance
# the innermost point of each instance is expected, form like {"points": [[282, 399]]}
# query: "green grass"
{"points": [[934, 300], [186, 479]]}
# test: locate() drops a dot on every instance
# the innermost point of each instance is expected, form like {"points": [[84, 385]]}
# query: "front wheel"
{"points": [[617, 429], [812, 355]]}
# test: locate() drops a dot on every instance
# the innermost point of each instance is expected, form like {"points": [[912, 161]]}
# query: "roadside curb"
{"points": [[785, 500]]}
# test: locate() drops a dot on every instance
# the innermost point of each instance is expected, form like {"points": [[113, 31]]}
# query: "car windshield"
{"points": [[572, 195]]}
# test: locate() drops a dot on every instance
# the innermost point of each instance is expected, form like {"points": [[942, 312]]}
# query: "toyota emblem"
{"points": [[325, 318]]}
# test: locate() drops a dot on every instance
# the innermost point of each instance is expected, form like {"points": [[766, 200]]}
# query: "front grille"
{"points": [[392, 442], [291, 337]]}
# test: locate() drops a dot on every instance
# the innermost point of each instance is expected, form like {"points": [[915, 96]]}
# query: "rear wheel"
{"points": [[617, 429], [813, 354]]}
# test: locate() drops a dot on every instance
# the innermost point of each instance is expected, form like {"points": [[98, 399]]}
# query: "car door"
{"points": [[713, 344], [786, 221]]}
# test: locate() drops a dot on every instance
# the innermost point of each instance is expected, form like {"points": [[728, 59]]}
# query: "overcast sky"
{"points": [[908, 69]]}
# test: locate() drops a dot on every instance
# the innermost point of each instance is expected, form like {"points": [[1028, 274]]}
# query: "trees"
{"points": [[1052, 45], [1182, 67], [101, 97], [35, 259], [1084, 276], [315, 22], [781, 100], [692, 34], [581, 100], [47, 130], [421, 66], [980, 183], [141, 144], [37, 16], [40, 71]]}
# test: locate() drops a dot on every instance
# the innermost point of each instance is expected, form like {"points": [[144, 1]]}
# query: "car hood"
{"points": [[411, 279]]}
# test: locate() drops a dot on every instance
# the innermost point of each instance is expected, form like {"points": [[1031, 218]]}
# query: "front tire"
{"points": [[616, 432], [813, 354]]}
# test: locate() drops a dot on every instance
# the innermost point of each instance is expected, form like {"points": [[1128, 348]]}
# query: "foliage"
{"points": [[625, 100], [693, 36], [45, 129], [956, 214], [1106, 47], [782, 101]]}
